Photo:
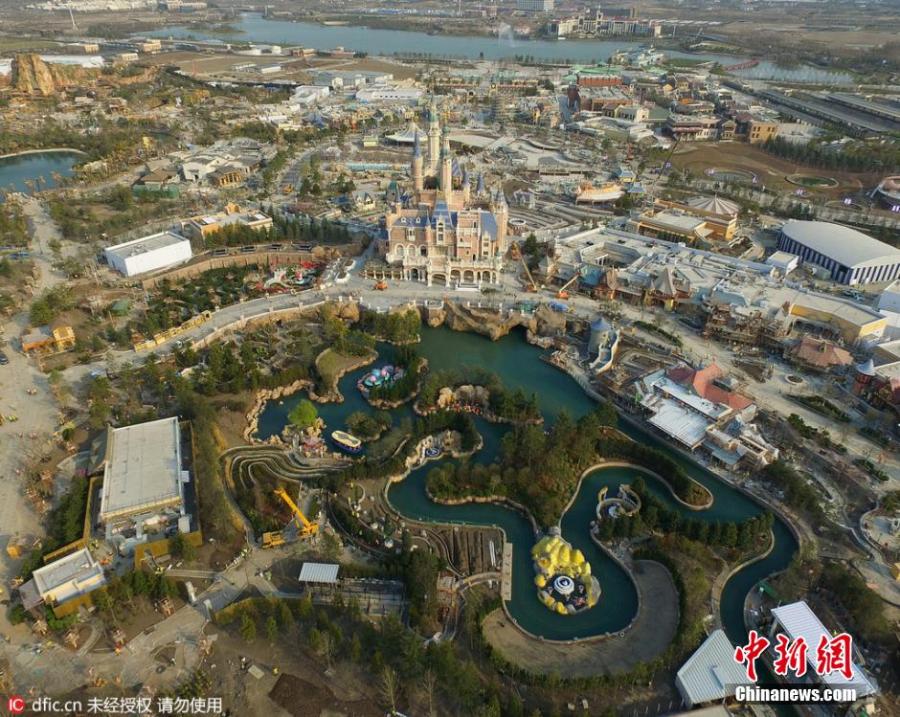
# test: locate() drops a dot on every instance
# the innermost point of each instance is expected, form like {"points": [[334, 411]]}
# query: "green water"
{"points": [[518, 364]]}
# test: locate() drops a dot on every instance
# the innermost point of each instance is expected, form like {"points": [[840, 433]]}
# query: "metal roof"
{"points": [[711, 673], [143, 468], [319, 573], [798, 620], [842, 244], [145, 244], [78, 567]]}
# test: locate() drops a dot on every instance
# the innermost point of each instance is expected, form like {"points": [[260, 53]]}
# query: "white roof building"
{"points": [[68, 577], [797, 620], [149, 253], [711, 673], [142, 471], [390, 93], [849, 255], [784, 261]]}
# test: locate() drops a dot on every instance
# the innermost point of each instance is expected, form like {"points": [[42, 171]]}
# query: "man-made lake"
{"points": [[519, 366], [255, 28], [16, 170]]}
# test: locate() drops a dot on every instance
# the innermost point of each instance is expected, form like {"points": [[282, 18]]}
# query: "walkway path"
{"points": [[651, 633]]}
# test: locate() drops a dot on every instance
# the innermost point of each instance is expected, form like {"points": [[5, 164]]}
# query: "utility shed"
{"points": [[710, 674]]}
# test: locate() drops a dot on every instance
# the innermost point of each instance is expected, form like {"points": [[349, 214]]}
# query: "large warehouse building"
{"points": [[149, 253], [143, 479], [850, 256]]}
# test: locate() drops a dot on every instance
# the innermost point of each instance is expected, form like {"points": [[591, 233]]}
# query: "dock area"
{"points": [[506, 572]]}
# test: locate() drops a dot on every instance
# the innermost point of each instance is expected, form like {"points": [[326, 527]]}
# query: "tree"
{"points": [[355, 648], [181, 547], [389, 687], [248, 628], [271, 629], [428, 685], [304, 414], [285, 616]]}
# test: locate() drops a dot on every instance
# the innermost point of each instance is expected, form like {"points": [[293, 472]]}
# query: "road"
{"points": [[29, 410], [55, 666]]}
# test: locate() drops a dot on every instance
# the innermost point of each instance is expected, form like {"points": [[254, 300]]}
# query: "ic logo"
{"points": [[15, 704]]}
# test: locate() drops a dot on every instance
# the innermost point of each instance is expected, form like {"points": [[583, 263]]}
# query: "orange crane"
{"points": [[307, 529], [562, 293]]}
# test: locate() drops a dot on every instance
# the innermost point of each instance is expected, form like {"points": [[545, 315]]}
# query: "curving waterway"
{"points": [[518, 364], [17, 169]]}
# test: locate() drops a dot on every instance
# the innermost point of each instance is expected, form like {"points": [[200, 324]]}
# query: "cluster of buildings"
{"points": [[701, 408], [600, 23], [757, 305], [146, 495], [54, 338], [699, 221], [169, 248], [225, 163], [623, 100]]}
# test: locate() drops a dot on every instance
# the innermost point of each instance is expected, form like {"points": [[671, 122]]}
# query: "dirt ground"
{"points": [[653, 630], [771, 170], [301, 688]]}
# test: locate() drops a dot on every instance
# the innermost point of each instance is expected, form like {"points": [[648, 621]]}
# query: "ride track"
{"points": [[516, 363]]}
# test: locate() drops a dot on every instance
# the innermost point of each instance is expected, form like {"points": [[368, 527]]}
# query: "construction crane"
{"points": [[307, 529], [531, 285], [562, 293], [663, 168]]}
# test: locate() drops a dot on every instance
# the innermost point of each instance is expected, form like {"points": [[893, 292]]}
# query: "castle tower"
{"points": [[418, 175], [434, 138], [501, 212], [480, 188], [466, 186], [446, 167]]}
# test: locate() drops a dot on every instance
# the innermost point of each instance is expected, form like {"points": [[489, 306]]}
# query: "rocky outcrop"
{"points": [[348, 311], [486, 322], [32, 76], [263, 396], [543, 325]]}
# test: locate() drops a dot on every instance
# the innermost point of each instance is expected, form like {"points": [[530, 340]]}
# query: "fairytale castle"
{"points": [[447, 233]]}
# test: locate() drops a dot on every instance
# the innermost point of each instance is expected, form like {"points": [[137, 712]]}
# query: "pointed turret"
{"points": [[479, 187], [434, 137], [466, 185], [417, 171]]}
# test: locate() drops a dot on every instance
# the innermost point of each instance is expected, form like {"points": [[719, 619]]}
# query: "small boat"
{"points": [[346, 442]]}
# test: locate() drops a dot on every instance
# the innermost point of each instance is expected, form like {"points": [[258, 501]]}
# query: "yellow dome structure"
{"points": [[563, 576]]}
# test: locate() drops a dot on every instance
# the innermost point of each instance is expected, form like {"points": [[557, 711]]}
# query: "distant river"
{"points": [[20, 168], [255, 28]]}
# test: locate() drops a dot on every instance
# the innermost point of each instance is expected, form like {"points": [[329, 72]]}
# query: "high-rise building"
{"points": [[534, 5]]}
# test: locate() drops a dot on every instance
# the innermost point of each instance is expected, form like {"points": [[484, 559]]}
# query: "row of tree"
{"points": [[616, 445], [396, 327], [852, 157], [656, 516]]}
